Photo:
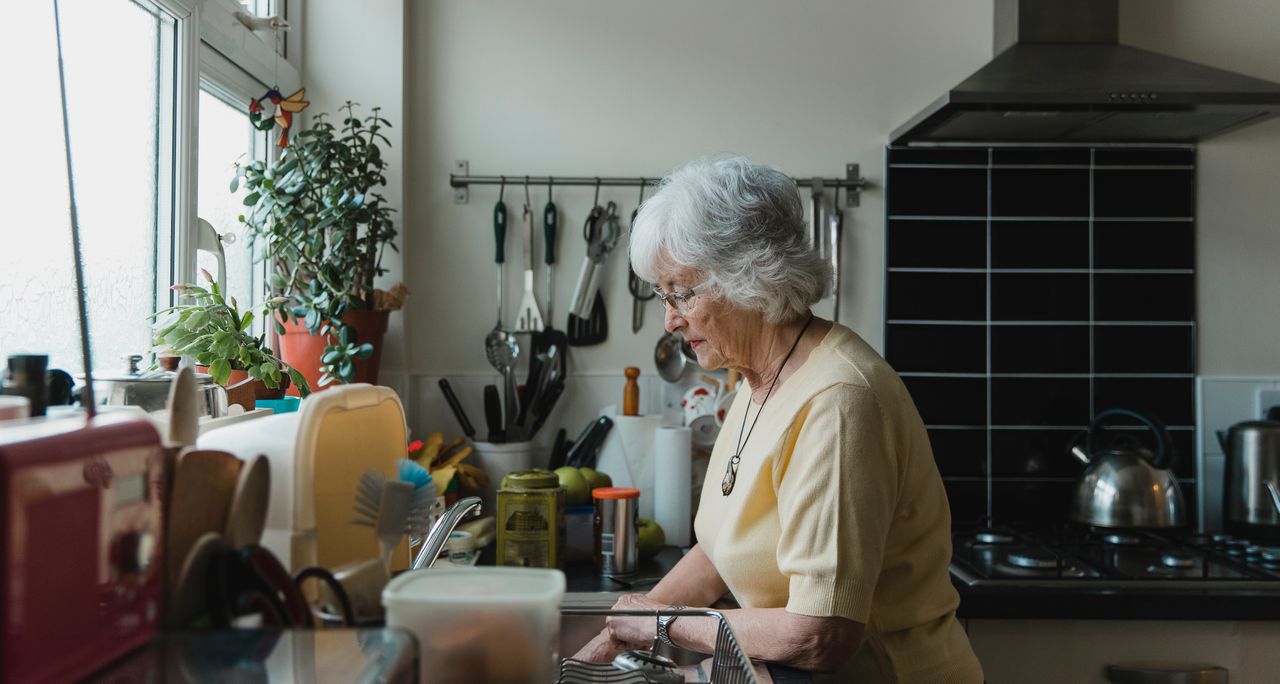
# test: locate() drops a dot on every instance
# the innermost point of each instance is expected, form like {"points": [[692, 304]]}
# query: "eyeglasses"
{"points": [[682, 302]]}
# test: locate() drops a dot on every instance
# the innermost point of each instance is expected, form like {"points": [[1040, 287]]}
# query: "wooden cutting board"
{"points": [[204, 482]]}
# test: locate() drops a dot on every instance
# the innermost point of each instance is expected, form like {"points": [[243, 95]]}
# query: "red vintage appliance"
{"points": [[81, 537]]}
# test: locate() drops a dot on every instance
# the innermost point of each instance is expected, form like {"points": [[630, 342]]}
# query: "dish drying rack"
{"points": [[729, 664]]}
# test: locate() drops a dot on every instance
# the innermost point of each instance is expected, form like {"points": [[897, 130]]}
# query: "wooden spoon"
{"points": [[248, 514], [204, 482]]}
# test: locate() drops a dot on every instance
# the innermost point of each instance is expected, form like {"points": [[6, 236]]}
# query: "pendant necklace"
{"points": [[731, 468]]}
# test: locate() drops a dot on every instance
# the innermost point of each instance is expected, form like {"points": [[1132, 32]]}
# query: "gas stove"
{"points": [[1094, 558]]}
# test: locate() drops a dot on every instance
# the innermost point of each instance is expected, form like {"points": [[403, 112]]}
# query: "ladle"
{"points": [[671, 356]]}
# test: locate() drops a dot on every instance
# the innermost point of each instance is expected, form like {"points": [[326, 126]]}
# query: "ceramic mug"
{"points": [[700, 405]]}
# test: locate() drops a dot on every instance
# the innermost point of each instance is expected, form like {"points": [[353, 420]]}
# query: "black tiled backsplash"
{"points": [[1039, 349], [1029, 289], [1052, 244]]}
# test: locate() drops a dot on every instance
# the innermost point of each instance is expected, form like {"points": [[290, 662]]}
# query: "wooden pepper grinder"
{"points": [[631, 392]]}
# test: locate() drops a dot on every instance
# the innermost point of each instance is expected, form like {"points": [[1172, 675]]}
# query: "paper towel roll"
{"points": [[672, 485], [627, 456]]}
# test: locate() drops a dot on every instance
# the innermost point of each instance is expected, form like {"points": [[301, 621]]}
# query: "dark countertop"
{"points": [[996, 602], [255, 655], [582, 575]]}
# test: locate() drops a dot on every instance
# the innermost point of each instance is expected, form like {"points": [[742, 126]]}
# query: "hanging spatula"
{"points": [[528, 317]]}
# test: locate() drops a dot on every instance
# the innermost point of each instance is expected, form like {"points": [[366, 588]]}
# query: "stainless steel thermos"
{"points": [[617, 550]]}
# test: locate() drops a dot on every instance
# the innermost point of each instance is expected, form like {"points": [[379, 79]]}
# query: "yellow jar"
{"points": [[531, 520]]}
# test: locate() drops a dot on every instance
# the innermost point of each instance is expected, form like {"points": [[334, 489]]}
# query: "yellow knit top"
{"points": [[838, 510]]}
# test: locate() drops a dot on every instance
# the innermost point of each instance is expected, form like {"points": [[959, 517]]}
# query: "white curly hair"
{"points": [[739, 224]]}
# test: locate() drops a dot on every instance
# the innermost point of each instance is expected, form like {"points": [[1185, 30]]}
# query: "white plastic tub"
{"points": [[487, 624]]}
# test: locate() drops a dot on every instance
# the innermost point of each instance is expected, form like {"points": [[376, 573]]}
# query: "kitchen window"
{"points": [[226, 138], [157, 97], [119, 58]]}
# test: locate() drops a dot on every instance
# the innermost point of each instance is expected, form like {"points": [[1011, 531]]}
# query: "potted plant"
{"points": [[324, 228], [214, 332]]}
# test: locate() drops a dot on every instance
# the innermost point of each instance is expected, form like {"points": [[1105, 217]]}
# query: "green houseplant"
{"points": [[324, 229], [213, 331]]}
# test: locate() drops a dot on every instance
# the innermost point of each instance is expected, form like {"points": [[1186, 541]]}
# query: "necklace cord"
{"points": [[731, 472]]}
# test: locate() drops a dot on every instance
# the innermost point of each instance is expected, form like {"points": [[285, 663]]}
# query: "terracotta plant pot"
{"points": [[243, 390], [302, 350]]}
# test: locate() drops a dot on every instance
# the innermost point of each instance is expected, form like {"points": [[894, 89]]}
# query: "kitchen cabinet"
{"points": [[1077, 651]]}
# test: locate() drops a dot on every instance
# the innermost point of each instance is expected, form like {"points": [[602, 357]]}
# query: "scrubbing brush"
{"points": [[424, 497], [388, 518]]}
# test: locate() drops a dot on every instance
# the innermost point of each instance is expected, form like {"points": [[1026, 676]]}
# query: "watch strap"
{"points": [[664, 625]]}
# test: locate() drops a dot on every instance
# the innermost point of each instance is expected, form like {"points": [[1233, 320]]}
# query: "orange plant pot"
{"points": [[302, 350]]}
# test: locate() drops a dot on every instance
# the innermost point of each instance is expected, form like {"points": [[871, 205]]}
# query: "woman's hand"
{"points": [[601, 649], [623, 633], [636, 630]]}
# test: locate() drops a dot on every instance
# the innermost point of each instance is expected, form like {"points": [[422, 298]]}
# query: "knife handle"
{"points": [[456, 407], [493, 414]]}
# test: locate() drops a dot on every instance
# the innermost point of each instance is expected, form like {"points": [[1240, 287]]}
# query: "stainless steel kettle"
{"points": [[1252, 449], [1127, 486]]}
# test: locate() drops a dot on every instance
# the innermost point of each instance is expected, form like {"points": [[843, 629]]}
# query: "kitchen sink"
{"points": [[577, 630]]}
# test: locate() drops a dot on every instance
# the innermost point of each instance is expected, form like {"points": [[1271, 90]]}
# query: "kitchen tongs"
{"points": [[588, 320]]}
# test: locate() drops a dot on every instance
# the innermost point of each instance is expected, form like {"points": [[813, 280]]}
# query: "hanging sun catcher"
{"points": [[283, 109]]}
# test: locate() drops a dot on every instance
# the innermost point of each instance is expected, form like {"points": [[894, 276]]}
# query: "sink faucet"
{"points": [[439, 534]]}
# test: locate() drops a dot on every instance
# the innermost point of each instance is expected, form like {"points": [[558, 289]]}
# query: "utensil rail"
{"points": [[853, 182]]}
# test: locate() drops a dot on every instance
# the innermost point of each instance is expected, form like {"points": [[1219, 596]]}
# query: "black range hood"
{"points": [[1060, 76]]}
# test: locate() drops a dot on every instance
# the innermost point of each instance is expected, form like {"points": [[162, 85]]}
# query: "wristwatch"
{"points": [[664, 623]]}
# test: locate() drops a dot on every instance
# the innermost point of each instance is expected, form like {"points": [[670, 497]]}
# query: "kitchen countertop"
{"points": [[1115, 604], [321, 655]]}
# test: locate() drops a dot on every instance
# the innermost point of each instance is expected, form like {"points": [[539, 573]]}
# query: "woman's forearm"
{"points": [[776, 635], [694, 581]]}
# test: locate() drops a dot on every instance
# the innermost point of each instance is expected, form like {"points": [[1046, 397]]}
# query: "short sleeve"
{"points": [[837, 489]]}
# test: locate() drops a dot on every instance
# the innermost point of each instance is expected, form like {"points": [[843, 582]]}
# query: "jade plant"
{"points": [[320, 222], [213, 330]]}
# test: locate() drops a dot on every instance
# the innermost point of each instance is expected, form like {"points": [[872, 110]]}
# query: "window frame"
{"points": [[218, 50]]}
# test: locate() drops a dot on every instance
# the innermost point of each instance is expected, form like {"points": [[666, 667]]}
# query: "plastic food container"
{"points": [[497, 625], [579, 532]]}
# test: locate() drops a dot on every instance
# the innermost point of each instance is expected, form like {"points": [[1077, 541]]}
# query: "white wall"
{"points": [[577, 87], [573, 87], [1238, 235], [355, 51]]}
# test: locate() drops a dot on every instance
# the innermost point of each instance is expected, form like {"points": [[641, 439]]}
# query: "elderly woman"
{"points": [[823, 513]]}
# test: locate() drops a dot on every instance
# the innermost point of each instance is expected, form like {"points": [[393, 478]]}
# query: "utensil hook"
{"points": [[551, 182], [502, 188], [527, 203], [641, 200], [596, 201]]}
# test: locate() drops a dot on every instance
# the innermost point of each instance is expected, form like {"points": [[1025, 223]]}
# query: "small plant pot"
{"points": [[302, 350], [246, 391]]}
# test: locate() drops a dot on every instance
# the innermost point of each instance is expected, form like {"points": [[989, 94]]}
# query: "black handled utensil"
{"points": [[493, 414], [456, 407], [588, 444], [549, 221], [546, 404], [558, 449]]}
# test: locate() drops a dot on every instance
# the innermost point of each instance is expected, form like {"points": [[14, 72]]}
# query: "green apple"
{"points": [[650, 537], [577, 491], [596, 478]]}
